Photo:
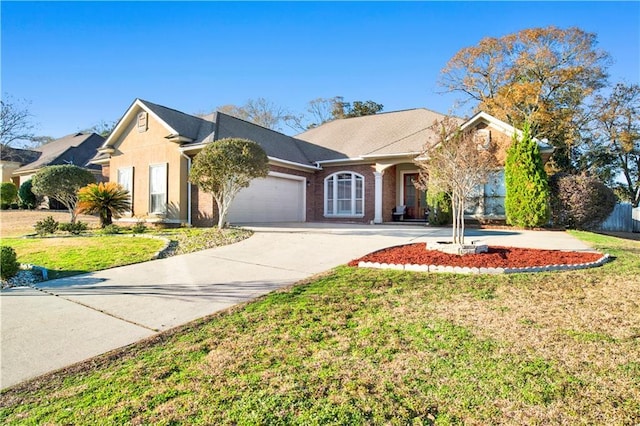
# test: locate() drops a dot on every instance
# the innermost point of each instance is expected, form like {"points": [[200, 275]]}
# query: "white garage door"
{"points": [[272, 199]]}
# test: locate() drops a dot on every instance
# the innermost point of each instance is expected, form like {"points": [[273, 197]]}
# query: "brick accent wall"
{"points": [[366, 170], [204, 211]]}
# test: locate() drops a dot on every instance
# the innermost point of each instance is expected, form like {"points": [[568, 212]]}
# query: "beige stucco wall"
{"points": [[7, 168], [140, 150]]}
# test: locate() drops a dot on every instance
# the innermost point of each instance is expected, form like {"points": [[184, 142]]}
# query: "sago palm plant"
{"points": [[109, 200]]}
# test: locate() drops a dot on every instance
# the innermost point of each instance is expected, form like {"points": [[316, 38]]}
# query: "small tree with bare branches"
{"points": [[455, 163]]}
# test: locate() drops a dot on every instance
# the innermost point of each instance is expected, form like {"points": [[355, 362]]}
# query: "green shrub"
{"points": [[9, 265], [111, 229], [8, 194], [439, 208], [139, 228], [48, 225], [580, 201], [27, 197], [74, 228], [527, 200]]}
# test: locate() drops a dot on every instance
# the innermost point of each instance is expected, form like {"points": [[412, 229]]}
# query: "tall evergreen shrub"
{"points": [[527, 199], [27, 197]]}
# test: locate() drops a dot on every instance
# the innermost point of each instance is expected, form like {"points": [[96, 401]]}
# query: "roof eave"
{"points": [[400, 154], [280, 161]]}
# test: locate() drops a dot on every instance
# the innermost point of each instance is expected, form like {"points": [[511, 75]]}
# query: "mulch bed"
{"points": [[497, 257]]}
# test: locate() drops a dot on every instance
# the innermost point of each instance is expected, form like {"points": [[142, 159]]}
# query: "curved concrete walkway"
{"points": [[65, 321]]}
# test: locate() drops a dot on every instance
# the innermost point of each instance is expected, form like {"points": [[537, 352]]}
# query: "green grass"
{"points": [[359, 346], [66, 256], [69, 256]]}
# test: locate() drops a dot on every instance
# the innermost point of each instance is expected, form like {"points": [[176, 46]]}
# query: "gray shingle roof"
{"points": [[187, 125], [380, 134], [76, 148], [18, 155], [274, 143]]}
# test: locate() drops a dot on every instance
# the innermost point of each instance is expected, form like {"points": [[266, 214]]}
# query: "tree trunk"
{"points": [[222, 212], [106, 218]]}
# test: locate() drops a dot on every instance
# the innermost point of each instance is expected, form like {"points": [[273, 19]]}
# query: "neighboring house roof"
{"points": [[383, 134], [76, 148], [18, 155]]}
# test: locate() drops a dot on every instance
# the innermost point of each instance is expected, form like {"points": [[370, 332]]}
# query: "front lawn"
{"points": [[69, 256], [64, 255], [361, 346]]}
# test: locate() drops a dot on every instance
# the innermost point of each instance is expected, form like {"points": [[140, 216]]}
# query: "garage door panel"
{"points": [[272, 199]]}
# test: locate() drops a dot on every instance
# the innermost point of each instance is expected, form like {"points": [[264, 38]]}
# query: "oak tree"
{"points": [[539, 75], [615, 149]]}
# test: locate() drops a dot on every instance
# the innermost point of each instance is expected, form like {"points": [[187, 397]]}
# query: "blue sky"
{"points": [[82, 62]]}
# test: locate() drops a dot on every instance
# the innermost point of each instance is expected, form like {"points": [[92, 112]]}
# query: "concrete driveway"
{"points": [[65, 321]]}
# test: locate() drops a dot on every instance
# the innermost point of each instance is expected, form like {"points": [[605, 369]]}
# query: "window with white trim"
{"points": [[158, 188], [344, 194], [125, 180]]}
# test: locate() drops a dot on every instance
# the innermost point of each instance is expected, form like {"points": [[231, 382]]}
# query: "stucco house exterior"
{"points": [[354, 170]]}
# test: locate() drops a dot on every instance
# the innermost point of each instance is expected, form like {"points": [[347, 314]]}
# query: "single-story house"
{"points": [[19, 165], [355, 169]]}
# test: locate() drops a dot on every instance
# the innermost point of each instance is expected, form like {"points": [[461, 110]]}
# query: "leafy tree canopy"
{"points": [[62, 183], [539, 75], [226, 166], [8, 194]]}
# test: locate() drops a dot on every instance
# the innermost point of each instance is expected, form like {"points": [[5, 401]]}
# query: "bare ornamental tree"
{"points": [[455, 163]]}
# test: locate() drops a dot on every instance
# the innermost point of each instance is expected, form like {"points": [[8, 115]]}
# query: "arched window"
{"points": [[344, 194]]}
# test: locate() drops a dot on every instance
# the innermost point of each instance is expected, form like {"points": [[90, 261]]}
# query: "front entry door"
{"points": [[414, 199]]}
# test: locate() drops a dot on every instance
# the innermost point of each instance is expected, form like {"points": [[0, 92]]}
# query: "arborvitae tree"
{"points": [[527, 200]]}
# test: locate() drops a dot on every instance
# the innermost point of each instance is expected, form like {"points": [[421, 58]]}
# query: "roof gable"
{"points": [[503, 127], [177, 123]]}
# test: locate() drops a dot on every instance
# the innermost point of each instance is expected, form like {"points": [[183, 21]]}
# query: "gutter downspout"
{"points": [[188, 187]]}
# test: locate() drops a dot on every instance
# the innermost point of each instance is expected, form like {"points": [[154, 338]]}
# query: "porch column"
{"points": [[377, 218]]}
